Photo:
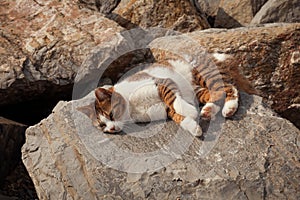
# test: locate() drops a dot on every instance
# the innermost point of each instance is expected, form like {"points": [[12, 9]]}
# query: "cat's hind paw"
{"points": [[191, 126], [230, 107], [209, 111]]}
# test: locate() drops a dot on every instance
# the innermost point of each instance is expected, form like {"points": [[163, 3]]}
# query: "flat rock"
{"points": [[180, 16], [278, 11], [42, 45], [12, 137], [254, 155]]}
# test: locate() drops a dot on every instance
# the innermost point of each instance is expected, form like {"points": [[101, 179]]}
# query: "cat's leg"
{"points": [[211, 103], [178, 109], [214, 99], [187, 123], [231, 101]]}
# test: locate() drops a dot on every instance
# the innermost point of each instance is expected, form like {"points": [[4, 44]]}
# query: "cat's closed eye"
{"points": [[102, 124]]}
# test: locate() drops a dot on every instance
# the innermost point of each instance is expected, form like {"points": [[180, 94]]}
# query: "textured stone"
{"points": [[103, 6], [176, 15], [209, 7], [255, 155], [236, 13], [43, 43], [12, 137], [278, 11]]}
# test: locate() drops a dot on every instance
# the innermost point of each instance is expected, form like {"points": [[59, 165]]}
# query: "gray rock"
{"points": [[12, 137], [254, 155], [278, 11]]}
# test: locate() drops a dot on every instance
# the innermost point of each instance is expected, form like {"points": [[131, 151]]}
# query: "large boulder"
{"points": [[278, 11], [236, 13], [180, 16], [42, 45], [12, 137], [255, 155]]}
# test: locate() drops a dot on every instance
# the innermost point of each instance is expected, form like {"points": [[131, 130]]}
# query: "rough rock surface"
{"points": [[12, 137], [262, 60], [278, 11], [177, 15], [255, 155], [103, 6], [43, 43], [209, 7], [236, 13]]}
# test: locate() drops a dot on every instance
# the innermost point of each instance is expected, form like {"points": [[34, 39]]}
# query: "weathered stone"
{"points": [[262, 60], [103, 6], [180, 15], [236, 13], [257, 4], [253, 156], [44, 43], [12, 137], [278, 11], [209, 7]]}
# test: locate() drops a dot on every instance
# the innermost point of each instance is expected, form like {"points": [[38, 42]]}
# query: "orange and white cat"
{"points": [[170, 90]]}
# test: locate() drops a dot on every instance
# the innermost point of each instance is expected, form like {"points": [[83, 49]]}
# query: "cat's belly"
{"points": [[145, 105], [148, 113]]}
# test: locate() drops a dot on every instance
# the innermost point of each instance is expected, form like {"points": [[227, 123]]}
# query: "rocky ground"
{"points": [[49, 49]]}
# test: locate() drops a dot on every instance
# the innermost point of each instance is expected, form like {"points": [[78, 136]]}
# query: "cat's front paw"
{"points": [[209, 111], [191, 126], [230, 107]]}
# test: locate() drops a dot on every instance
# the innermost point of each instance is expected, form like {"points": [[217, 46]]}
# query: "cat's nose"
{"points": [[112, 129]]}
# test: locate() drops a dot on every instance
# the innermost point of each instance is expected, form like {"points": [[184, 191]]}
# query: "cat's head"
{"points": [[110, 108]]}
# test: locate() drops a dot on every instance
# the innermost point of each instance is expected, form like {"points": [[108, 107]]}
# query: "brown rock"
{"points": [[42, 45], [175, 15], [12, 137], [278, 11], [253, 156], [236, 13]]}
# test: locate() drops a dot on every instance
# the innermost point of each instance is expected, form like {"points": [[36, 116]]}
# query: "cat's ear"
{"points": [[102, 94]]}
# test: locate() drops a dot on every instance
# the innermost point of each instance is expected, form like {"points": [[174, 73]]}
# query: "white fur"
{"points": [[214, 110], [142, 99], [181, 75], [231, 106], [220, 56], [157, 112], [117, 125], [183, 108], [191, 125]]}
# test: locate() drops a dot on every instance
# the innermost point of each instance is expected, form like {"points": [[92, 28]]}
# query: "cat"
{"points": [[166, 90]]}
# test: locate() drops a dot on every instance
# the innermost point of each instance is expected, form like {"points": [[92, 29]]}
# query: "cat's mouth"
{"points": [[113, 129], [109, 127]]}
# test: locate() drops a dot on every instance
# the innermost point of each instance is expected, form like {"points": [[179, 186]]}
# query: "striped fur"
{"points": [[174, 90]]}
